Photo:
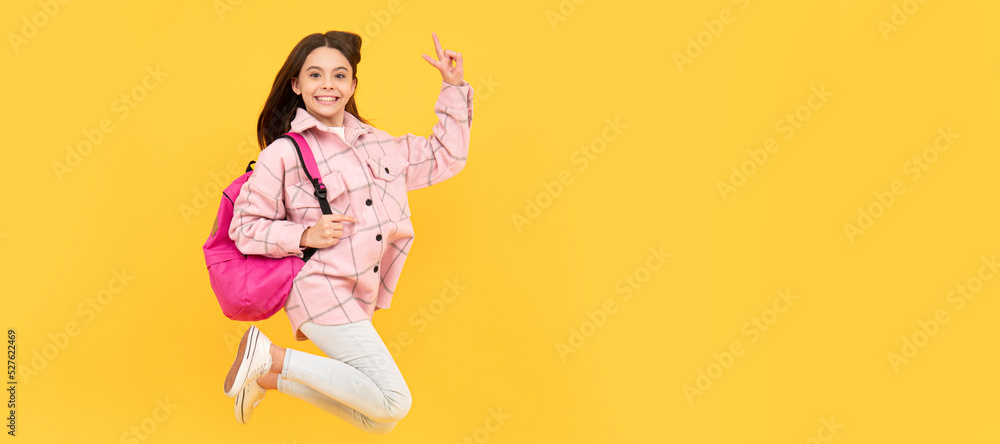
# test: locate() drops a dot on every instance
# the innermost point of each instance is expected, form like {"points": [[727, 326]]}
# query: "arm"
{"points": [[442, 155], [258, 225]]}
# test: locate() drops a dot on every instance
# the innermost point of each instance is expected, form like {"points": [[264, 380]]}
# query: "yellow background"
{"points": [[545, 88]]}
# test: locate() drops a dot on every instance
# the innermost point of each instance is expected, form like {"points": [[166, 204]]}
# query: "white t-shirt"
{"points": [[338, 130]]}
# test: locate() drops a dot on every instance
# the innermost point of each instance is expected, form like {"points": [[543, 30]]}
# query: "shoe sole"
{"points": [[248, 345]]}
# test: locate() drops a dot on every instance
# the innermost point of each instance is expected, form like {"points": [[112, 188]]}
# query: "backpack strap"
{"points": [[312, 172]]}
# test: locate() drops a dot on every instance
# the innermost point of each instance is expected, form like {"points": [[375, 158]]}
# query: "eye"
{"points": [[341, 76], [314, 75]]}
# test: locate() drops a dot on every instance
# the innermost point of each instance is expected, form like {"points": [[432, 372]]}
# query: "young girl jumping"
{"points": [[360, 248]]}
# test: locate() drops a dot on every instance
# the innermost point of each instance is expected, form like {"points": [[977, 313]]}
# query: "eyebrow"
{"points": [[335, 69]]}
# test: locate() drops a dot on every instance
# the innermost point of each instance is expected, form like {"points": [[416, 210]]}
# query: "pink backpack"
{"points": [[253, 287]]}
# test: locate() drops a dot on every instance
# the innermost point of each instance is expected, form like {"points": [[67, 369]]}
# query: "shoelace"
{"points": [[252, 376], [258, 371], [259, 397]]}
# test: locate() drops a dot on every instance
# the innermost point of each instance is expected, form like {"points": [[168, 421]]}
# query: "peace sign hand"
{"points": [[450, 74]]}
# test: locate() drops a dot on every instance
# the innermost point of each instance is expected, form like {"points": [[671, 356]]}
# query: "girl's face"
{"points": [[325, 84]]}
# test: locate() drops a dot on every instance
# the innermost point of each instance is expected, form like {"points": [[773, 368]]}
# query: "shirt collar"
{"points": [[352, 126]]}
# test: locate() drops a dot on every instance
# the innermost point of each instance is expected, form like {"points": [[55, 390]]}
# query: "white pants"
{"points": [[359, 381]]}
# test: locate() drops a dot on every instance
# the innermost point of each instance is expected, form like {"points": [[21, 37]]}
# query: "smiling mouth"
{"points": [[327, 100]]}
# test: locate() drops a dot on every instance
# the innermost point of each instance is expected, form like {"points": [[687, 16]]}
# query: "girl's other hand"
{"points": [[326, 232], [452, 74]]}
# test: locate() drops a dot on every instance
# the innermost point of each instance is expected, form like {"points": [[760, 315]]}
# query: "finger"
{"points": [[451, 55], [437, 46], [458, 62], [339, 217], [430, 60]]}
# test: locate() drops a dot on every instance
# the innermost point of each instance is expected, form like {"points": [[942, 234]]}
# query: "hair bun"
{"points": [[350, 44]]}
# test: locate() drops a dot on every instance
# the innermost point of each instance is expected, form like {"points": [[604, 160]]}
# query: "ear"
{"points": [[295, 86], [354, 87]]}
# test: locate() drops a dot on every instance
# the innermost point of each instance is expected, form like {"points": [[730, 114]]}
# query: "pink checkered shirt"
{"points": [[367, 178]]}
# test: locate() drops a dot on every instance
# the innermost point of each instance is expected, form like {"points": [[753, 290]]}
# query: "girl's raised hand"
{"points": [[452, 74]]}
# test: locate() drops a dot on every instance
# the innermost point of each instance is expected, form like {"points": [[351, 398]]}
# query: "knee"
{"points": [[395, 409], [397, 405], [379, 428], [403, 405]]}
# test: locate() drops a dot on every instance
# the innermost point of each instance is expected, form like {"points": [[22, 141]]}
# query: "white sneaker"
{"points": [[253, 360], [247, 400]]}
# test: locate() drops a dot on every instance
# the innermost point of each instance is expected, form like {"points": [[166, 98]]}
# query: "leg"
{"points": [[336, 408], [270, 382], [270, 379], [359, 382]]}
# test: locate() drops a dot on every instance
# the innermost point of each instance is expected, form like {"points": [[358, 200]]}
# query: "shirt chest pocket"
{"points": [[390, 184], [303, 206]]}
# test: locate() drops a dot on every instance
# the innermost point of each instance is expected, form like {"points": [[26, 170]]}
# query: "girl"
{"points": [[361, 248]]}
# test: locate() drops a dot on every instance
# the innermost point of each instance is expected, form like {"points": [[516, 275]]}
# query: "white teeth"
{"points": [[326, 99]]}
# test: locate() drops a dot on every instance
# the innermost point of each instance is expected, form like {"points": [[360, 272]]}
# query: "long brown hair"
{"points": [[279, 109]]}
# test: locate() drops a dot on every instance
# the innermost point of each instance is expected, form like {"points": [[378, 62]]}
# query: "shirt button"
{"points": [[376, 268], [368, 202], [378, 237], [387, 169]]}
